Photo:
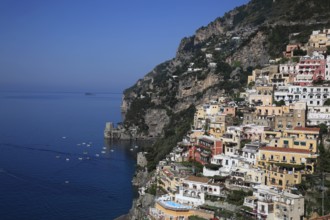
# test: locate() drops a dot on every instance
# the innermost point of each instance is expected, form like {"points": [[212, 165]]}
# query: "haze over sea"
{"points": [[42, 137]]}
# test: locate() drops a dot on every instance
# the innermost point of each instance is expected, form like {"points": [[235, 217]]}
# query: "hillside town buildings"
{"points": [[267, 145]]}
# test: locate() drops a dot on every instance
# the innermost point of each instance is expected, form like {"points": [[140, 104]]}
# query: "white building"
{"points": [[288, 68], [327, 69], [312, 95], [250, 153], [194, 189], [318, 115], [272, 204], [253, 132], [231, 140], [228, 163]]}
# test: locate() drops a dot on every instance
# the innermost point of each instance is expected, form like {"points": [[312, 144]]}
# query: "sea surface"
{"points": [[54, 161]]}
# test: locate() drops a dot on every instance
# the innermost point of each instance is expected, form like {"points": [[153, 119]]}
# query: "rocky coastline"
{"points": [[145, 200]]}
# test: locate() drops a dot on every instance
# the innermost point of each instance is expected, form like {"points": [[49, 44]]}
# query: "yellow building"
{"points": [[284, 166], [296, 117], [170, 177], [319, 39], [272, 110], [297, 138], [218, 125], [268, 136], [264, 75], [213, 119], [289, 155], [261, 95]]}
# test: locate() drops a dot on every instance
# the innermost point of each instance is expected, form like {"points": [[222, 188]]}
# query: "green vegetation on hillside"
{"points": [[134, 115], [179, 125]]}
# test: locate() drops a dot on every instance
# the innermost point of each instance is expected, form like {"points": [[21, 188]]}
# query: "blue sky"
{"points": [[94, 45]]}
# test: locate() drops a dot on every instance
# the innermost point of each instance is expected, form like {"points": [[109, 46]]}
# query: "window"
{"points": [[262, 208], [296, 143], [303, 143], [285, 142]]}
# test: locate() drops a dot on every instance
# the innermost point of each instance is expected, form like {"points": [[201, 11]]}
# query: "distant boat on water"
{"points": [[89, 93]]}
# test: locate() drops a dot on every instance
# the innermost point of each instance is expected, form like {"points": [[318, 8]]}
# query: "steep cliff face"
{"points": [[256, 47], [216, 59]]}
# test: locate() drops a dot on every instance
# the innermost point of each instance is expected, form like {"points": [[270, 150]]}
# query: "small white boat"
{"points": [[97, 155], [104, 148], [88, 145], [63, 137], [131, 149], [83, 143], [80, 158], [67, 182], [67, 159], [88, 158], [136, 146], [85, 152], [103, 152], [58, 156], [112, 150]]}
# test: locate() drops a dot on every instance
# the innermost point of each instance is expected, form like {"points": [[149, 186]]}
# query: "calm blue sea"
{"points": [[54, 162]]}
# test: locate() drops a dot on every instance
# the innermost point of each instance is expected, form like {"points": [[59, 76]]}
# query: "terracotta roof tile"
{"points": [[282, 149], [306, 129], [198, 179]]}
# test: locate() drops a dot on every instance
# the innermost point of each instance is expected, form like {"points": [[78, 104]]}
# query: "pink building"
{"points": [[309, 69], [289, 50], [206, 148]]}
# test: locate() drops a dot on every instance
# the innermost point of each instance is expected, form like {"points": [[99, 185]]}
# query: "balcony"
{"points": [[195, 196], [292, 161]]}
